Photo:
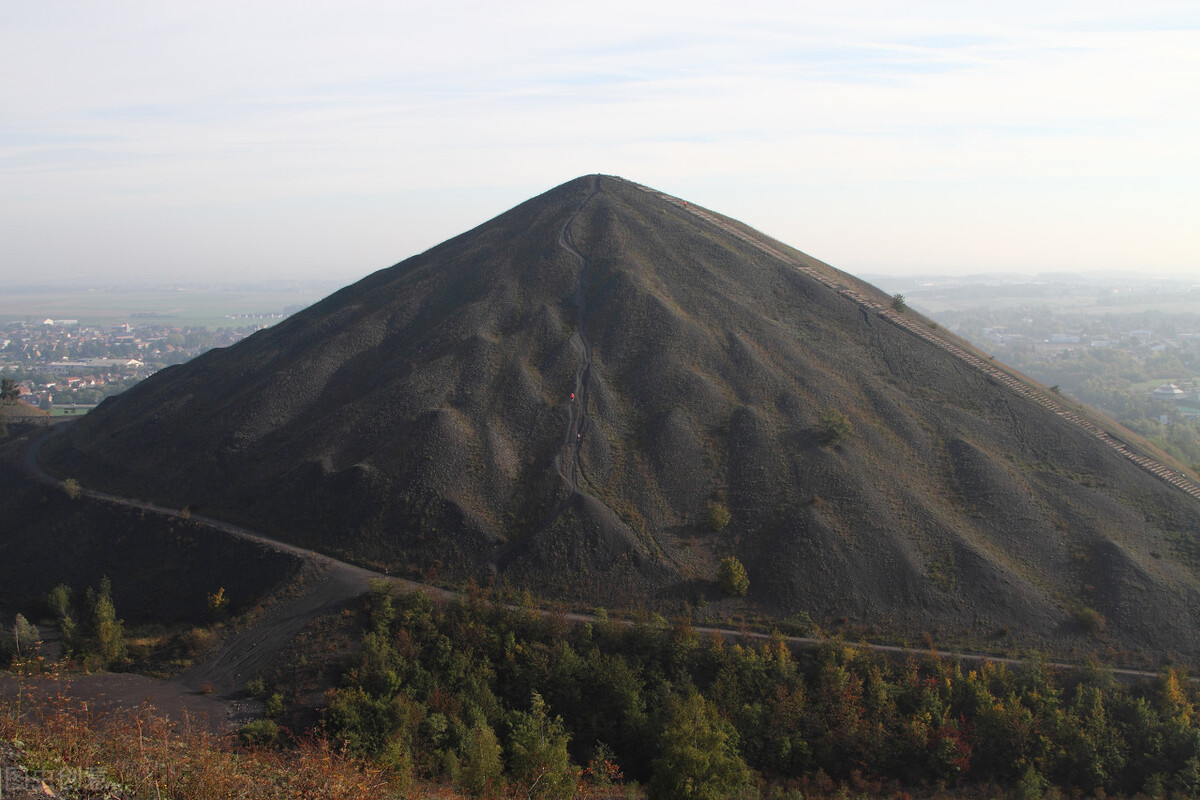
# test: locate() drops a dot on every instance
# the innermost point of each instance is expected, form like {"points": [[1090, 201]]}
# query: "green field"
{"points": [[211, 308]]}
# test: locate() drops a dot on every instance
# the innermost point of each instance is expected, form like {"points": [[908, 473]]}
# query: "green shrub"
{"points": [[732, 577], [481, 771], [834, 428], [361, 723], [260, 733], [538, 754], [58, 601], [1089, 620], [698, 754], [718, 516], [21, 639]]}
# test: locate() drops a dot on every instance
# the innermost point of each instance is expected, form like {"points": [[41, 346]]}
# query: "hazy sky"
{"points": [[195, 140]]}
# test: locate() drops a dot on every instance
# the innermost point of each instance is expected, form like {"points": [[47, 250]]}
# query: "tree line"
{"points": [[497, 699], [91, 635]]}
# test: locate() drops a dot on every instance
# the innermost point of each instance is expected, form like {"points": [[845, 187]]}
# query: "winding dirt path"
{"points": [[572, 472], [578, 419], [213, 689]]}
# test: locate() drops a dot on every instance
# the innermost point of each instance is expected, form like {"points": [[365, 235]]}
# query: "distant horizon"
{"points": [[277, 283], [304, 140]]}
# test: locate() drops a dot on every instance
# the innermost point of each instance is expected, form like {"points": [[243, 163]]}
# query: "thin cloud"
{"points": [[117, 113]]}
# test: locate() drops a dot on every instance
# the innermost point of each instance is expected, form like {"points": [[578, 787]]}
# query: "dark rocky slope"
{"points": [[422, 420], [162, 570]]}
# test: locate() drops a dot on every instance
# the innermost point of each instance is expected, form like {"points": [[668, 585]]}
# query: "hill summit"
{"points": [[604, 391]]}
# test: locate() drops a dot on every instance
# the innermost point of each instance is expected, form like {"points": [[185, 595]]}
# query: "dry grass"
{"points": [[139, 753]]}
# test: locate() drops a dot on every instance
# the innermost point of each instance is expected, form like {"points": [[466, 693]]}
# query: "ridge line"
{"points": [[1171, 477]]}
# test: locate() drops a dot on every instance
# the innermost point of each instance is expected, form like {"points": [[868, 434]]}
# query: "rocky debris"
{"points": [[20, 781]]}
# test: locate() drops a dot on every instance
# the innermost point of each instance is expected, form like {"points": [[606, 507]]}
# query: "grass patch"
{"points": [[140, 753]]}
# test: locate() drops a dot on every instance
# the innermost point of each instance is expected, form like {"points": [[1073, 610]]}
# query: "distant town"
{"points": [[63, 367], [1040, 346], [69, 347], [1127, 345]]}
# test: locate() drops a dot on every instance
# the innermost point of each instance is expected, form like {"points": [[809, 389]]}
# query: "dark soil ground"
{"points": [[283, 589]]}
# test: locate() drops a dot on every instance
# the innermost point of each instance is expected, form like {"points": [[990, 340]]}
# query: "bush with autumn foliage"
{"points": [[672, 709]]}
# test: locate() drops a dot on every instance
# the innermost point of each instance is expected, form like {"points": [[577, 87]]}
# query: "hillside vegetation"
{"points": [[569, 707], [482, 699], [561, 397]]}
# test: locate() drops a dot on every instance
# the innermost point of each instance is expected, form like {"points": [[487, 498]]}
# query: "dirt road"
{"points": [[214, 689]]}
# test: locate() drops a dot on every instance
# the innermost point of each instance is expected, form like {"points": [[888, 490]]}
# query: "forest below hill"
{"points": [[479, 698], [498, 700]]}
